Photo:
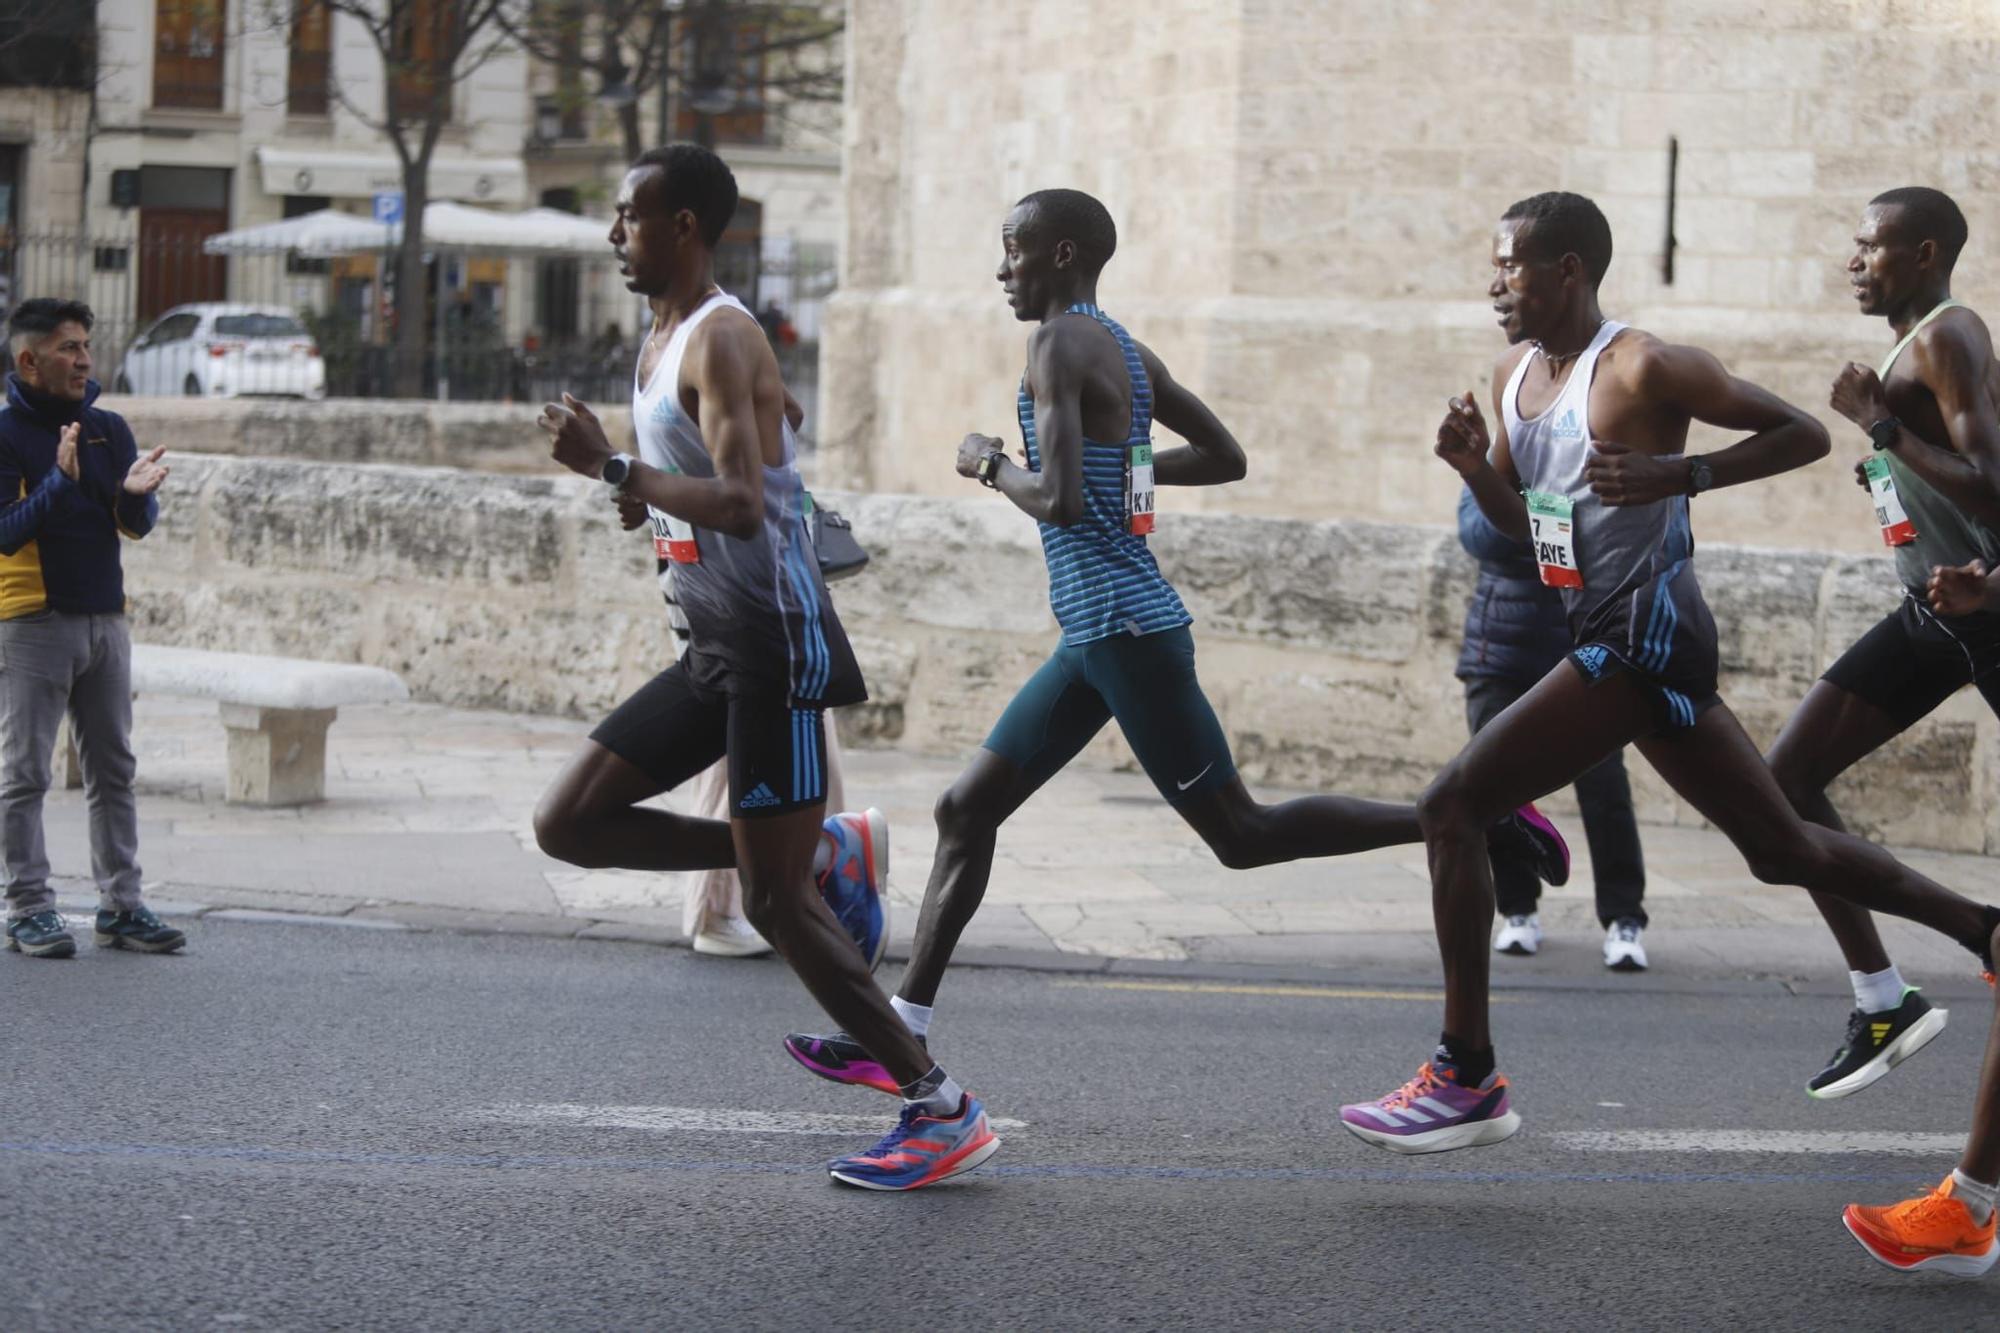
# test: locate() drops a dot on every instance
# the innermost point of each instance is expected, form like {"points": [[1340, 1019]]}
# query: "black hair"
{"points": [[694, 178], [1073, 216], [1561, 223], [44, 315], [1932, 217]]}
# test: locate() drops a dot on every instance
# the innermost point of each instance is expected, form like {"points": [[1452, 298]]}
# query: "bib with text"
{"points": [[1139, 488], [1897, 530], [673, 539], [1553, 533]]}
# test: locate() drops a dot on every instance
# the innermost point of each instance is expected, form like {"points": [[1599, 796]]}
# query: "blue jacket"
{"points": [[1515, 626], [59, 538]]}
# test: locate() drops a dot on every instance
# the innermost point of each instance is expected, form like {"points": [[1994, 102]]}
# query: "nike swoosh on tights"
{"points": [[1196, 778]]}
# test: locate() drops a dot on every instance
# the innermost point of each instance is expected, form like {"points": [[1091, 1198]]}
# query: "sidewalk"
{"points": [[427, 825]]}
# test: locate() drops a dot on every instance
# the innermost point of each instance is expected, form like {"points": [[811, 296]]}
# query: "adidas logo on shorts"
{"points": [[1591, 659], [758, 797]]}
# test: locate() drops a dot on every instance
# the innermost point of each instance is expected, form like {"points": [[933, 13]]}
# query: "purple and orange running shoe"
{"points": [[921, 1150], [1433, 1113]]}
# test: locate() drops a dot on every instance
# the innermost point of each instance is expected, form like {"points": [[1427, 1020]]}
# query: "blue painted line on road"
{"points": [[570, 1162]]}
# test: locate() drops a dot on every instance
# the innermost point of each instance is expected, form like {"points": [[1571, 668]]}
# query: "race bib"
{"points": [[672, 539], [1897, 530], [1139, 488], [1553, 535]]}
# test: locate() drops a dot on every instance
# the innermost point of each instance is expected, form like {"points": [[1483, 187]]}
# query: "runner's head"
{"points": [[672, 209], [1904, 249], [1054, 243], [1549, 253]]}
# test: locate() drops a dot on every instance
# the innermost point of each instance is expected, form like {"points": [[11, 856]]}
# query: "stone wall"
{"points": [[1305, 191], [1327, 646]]}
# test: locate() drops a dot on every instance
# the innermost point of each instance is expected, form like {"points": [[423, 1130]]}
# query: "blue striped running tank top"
{"points": [[1102, 578]]}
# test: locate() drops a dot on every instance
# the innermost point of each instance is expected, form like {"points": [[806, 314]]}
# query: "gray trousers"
{"points": [[49, 662]]}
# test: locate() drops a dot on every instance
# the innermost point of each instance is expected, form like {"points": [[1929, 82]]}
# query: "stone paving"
{"points": [[427, 824]]}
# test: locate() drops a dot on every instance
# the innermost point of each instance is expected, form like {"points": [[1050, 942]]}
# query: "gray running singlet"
{"points": [[1637, 596], [1946, 534], [759, 620]]}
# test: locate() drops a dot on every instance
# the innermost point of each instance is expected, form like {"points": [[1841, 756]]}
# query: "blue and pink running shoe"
{"points": [[1539, 838], [854, 882], [921, 1150], [840, 1059], [1433, 1113]]}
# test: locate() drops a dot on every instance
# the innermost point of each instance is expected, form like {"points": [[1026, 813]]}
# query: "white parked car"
{"points": [[217, 350]]}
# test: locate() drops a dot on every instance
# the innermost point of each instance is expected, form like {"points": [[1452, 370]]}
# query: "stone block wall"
{"points": [[1305, 191], [1326, 646]]}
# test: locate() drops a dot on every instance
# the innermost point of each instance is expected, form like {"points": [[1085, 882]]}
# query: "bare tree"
{"points": [[428, 48], [46, 45], [694, 50]]}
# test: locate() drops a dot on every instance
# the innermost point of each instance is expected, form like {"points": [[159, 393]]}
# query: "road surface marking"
{"points": [[1286, 992], [1895, 1143], [698, 1119]]}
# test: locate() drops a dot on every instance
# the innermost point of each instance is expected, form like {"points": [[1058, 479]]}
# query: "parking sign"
{"points": [[389, 207]]}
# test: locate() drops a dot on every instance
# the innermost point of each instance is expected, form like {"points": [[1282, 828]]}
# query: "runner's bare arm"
{"points": [[1687, 380], [1211, 457], [739, 397], [1054, 494], [1486, 464], [1951, 359]]}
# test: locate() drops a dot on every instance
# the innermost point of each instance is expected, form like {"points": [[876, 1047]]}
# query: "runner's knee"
{"points": [[1784, 857], [558, 832], [959, 816], [1447, 805]]}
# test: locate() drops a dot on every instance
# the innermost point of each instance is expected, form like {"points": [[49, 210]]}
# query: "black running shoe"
{"points": [[1529, 834], [137, 929], [839, 1058], [1877, 1043]]}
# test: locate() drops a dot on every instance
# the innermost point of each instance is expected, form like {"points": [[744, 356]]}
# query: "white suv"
{"points": [[215, 350]]}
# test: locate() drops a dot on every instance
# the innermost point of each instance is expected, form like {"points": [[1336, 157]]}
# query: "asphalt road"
{"points": [[311, 1127]]}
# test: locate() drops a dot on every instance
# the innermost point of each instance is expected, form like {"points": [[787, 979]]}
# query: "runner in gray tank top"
{"points": [[1934, 472], [1606, 502]]}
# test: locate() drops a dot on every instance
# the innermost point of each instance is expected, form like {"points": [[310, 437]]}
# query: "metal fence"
{"points": [[173, 320]]}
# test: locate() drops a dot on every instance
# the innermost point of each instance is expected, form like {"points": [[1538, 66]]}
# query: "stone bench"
{"points": [[275, 709]]}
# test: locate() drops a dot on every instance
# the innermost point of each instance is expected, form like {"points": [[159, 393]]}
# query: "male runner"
{"points": [[766, 654], [1593, 421], [1087, 406], [1930, 411]]}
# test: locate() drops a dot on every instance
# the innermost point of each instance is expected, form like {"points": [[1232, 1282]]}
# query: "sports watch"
{"points": [[1700, 476], [617, 471], [1886, 432], [987, 470]]}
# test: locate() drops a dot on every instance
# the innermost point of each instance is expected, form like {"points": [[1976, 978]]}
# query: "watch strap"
{"points": [[1885, 432]]}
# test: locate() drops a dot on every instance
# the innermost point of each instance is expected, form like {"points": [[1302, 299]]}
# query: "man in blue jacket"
{"points": [[71, 481], [1515, 631]]}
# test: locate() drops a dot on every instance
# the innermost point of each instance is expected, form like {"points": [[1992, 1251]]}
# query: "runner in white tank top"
{"points": [[765, 657], [1594, 422]]}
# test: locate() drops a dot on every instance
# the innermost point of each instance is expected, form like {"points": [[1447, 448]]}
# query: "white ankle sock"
{"points": [[1977, 1198], [823, 856], [942, 1100], [1876, 991], [916, 1017]]}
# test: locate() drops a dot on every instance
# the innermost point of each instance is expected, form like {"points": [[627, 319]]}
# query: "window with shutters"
{"points": [[187, 54], [309, 82]]}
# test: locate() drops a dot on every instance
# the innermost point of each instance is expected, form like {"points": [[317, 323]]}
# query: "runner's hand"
{"points": [[631, 510], [1861, 474], [66, 450], [1958, 591], [578, 436], [1621, 476], [1857, 395], [146, 474], [1461, 439], [973, 448]]}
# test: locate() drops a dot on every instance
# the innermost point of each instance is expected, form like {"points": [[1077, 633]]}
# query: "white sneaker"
{"points": [[1520, 935], [1622, 950], [730, 937]]}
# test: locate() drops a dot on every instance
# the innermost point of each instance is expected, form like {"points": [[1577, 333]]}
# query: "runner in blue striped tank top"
{"points": [[1087, 406], [1590, 464]]}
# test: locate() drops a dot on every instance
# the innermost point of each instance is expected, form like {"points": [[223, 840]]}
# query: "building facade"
{"points": [[1306, 192]]}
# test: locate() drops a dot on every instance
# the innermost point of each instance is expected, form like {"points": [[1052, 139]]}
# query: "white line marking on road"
{"points": [[698, 1119], [1892, 1143], [1282, 992], [1613, 1106]]}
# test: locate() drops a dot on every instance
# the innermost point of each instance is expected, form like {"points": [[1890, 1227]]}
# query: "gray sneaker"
{"points": [[42, 935]]}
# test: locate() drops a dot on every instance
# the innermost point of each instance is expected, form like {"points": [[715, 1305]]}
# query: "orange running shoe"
{"points": [[1933, 1232]]}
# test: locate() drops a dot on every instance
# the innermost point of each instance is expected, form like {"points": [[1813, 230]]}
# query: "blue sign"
{"points": [[389, 207]]}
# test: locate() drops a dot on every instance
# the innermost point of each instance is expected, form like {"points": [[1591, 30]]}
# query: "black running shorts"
{"points": [[1915, 659], [672, 729]]}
